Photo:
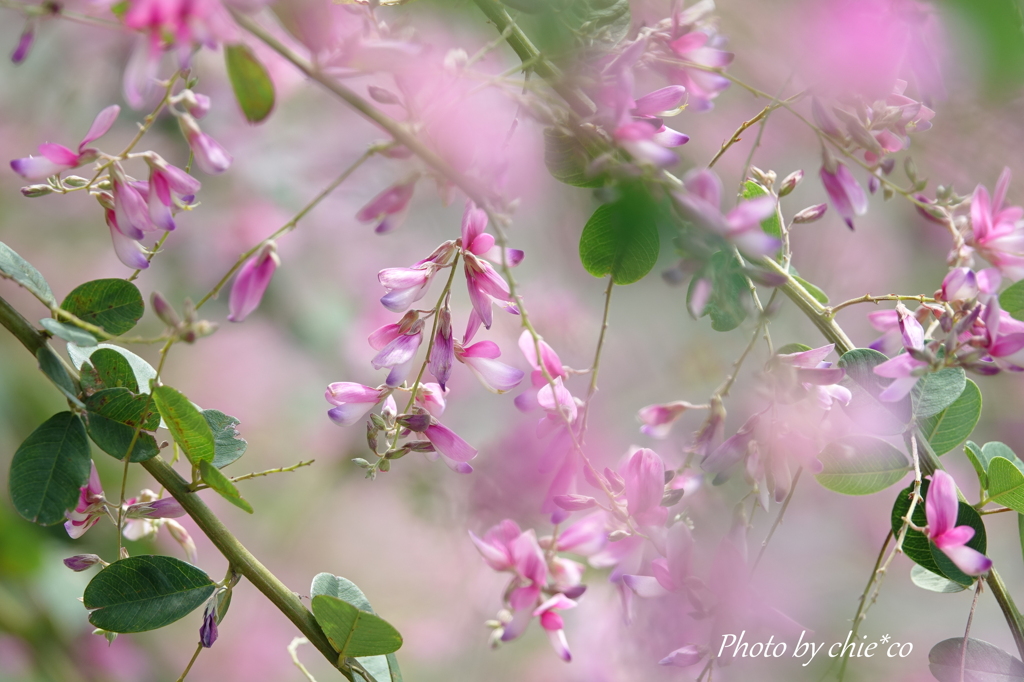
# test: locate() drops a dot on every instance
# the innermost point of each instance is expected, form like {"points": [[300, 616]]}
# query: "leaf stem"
{"points": [[199, 649]]}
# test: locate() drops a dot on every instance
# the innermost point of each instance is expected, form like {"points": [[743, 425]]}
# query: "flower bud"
{"points": [[383, 96], [80, 562], [35, 191], [195, 104], [790, 182], [164, 508], [810, 214], [24, 43], [208, 630], [164, 310], [252, 281], [414, 422], [385, 465]]}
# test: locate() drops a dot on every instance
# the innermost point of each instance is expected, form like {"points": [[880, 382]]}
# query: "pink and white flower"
{"points": [[351, 401], [941, 508], [57, 158]]}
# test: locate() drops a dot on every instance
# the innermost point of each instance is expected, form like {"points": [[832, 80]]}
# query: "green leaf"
{"points": [[950, 427], [621, 238], [113, 416], [253, 87], [13, 266], [186, 424], [994, 30], [51, 365], [983, 662], [353, 632], [977, 460], [793, 348], [933, 582], [772, 224], [819, 295], [861, 465], [222, 485], [568, 161], [68, 332], [981, 458], [921, 550], [227, 445], [728, 291], [49, 468], [882, 418], [144, 592], [1006, 483], [142, 370], [1012, 300], [113, 370], [113, 304], [936, 391], [1020, 532]]}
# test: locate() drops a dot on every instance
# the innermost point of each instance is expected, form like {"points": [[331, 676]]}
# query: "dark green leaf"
{"points": [[68, 332], [977, 460], [1012, 300], [568, 161], [113, 370], [227, 445], [186, 424], [1006, 483], [772, 224], [53, 367], [341, 588], [861, 465], [253, 87], [981, 458], [113, 304], [143, 593], [113, 417], [728, 291], [936, 391], [920, 549], [49, 468], [353, 632], [222, 485], [983, 662], [882, 418], [933, 582], [142, 370], [953, 425], [13, 266], [819, 295], [621, 238]]}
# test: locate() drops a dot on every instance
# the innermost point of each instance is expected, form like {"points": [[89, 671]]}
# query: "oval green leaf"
{"points": [[568, 161], [1012, 300], [621, 238], [340, 588], [772, 224], [49, 468], [67, 332], [861, 465], [936, 391], [112, 370], [143, 593], [142, 370], [253, 87], [227, 444], [983, 661], [14, 267], [919, 548], [113, 416], [353, 632], [729, 291], [53, 367], [1006, 483], [933, 582], [222, 485], [113, 304], [882, 418], [186, 424], [950, 427]]}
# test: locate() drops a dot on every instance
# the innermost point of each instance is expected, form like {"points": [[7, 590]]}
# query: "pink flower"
{"points": [[644, 477], [129, 251], [397, 345], [209, 155], [387, 210], [496, 545], [817, 376], [941, 508], [684, 656], [690, 37], [741, 225], [442, 355], [81, 562], [481, 359], [905, 369], [351, 401], [478, 242], [91, 506], [455, 452], [167, 185], [57, 158], [252, 281], [183, 539], [657, 420], [846, 194], [405, 286], [554, 625], [997, 232], [163, 508]]}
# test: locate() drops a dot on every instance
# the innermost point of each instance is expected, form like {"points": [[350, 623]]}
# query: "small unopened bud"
{"points": [[790, 182], [414, 422], [74, 181], [107, 634], [766, 178], [124, 553], [208, 630], [887, 192], [385, 465], [371, 436], [182, 537], [873, 184], [383, 96], [164, 508], [80, 562], [361, 463], [397, 453], [910, 168], [194, 103], [164, 310], [24, 43], [35, 191], [389, 410], [810, 214], [573, 502], [420, 446]]}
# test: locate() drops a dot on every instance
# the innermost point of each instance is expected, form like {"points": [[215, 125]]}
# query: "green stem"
{"points": [[1009, 609]]}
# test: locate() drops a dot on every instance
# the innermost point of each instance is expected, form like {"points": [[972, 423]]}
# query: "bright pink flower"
{"points": [[455, 452], [482, 360], [554, 625], [480, 243], [690, 37], [742, 225], [442, 355], [904, 368], [644, 477], [960, 284], [405, 286], [129, 251], [585, 536], [208, 153], [817, 376], [397, 345], [485, 286], [431, 397], [162, 508], [25, 41], [657, 420], [57, 158], [91, 506], [496, 545], [387, 210], [846, 194], [997, 231], [167, 185], [351, 401], [251, 282], [941, 508]]}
